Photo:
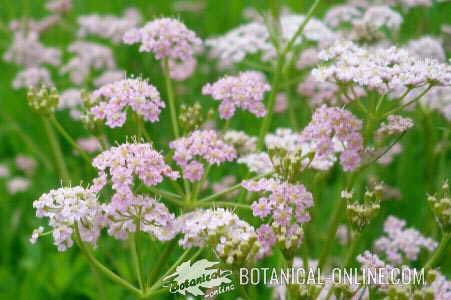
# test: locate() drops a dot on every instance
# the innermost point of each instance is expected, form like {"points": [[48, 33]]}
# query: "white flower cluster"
{"points": [[231, 238], [68, 208], [109, 26], [380, 69], [254, 38]]}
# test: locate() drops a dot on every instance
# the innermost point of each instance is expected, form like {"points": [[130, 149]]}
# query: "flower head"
{"points": [[231, 238], [125, 162], [204, 144], [332, 124], [245, 91], [142, 97], [68, 210], [165, 37], [288, 206]]}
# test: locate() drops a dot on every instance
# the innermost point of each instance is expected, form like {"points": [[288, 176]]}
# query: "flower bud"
{"points": [[43, 100]]}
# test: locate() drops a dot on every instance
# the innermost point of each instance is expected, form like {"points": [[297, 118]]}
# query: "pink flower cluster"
{"points": [[89, 144], [203, 143], [67, 208], [245, 91], [32, 77], [165, 37], [26, 50], [333, 123], [109, 26], [124, 163], [142, 97], [400, 242], [287, 204], [143, 213], [87, 56]]}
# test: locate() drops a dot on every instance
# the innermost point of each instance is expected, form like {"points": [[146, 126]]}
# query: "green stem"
{"points": [[301, 27], [136, 257], [272, 99], [351, 249], [101, 268], [399, 108], [434, 259], [168, 195], [162, 260], [332, 232], [230, 189], [199, 184], [182, 258], [56, 149], [171, 98], [278, 76], [69, 139]]}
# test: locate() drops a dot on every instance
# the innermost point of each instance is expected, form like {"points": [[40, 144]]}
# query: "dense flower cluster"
{"points": [[71, 99], [400, 242], [87, 56], [26, 50], [427, 47], [125, 162], [141, 213], [59, 6], [382, 69], [245, 91], [68, 209], [32, 77], [287, 205], [142, 97], [232, 239], [17, 185], [259, 163], [181, 70], [89, 144], [205, 144], [109, 26], [330, 125], [165, 37]]}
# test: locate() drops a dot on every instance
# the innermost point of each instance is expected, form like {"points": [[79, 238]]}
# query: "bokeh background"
{"points": [[40, 271]]}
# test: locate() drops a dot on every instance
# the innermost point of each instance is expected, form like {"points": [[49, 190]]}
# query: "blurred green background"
{"points": [[41, 272]]}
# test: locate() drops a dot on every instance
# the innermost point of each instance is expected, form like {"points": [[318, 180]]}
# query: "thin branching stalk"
{"points": [[136, 255], [163, 258], [102, 269], [171, 98], [438, 253], [230, 189], [399, 108], [159, 282], [351, 250], [69, 139], [278, 74], [56, 149]]}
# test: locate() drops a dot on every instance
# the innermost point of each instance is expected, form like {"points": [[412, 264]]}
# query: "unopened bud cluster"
{"points": [[441, 206], [43, 100], [286, 164], [360, 214], [191, 117]]}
